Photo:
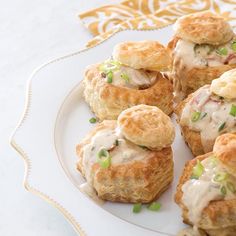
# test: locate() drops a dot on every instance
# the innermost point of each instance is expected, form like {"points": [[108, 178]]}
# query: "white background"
{"points": [[31, 33]]}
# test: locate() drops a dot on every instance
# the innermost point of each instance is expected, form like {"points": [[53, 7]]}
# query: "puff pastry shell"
{"points": [[133, 181], [187, 80], [108, 101], [219, 217]]}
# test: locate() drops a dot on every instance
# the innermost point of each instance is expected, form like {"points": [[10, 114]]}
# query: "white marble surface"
{"points": [[31, 33]]}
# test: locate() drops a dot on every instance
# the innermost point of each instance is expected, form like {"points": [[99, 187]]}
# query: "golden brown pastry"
{"points": [[111, 87], [206, 191], [225, 148], [208, 112], [203, 48], [143, 125], [148, 55], [116, 169], [204, 27]]}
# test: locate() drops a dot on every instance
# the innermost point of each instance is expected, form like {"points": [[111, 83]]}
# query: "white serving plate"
{"points": [[55, 120]]}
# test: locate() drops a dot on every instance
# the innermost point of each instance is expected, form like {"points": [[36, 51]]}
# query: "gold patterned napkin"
{"points": [[104, 21]]}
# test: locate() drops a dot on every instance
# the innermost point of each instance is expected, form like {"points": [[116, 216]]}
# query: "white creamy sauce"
{"points": [[136, 78], [214, 112], [204, 55], [106, 139], [102, 139], [90, 191], [185, 51], [198, 193], [188, 55]]}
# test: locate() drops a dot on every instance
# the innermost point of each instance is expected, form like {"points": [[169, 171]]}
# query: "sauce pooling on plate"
{"points": [[210, 115]]}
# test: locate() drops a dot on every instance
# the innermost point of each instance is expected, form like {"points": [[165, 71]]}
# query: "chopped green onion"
{"points": [[233, 110], [222, 51], [115, 63], [109, 77], [117, 142], [219, 177], [198, 169], [221, 127], [223, 190], [204, 114], [231, 187], [137, 207], [125, 77], [92, 120], [109, 65], [154, 206], [214, 161], [195, 116], [194, 177], [104, 158], [233, 45]]}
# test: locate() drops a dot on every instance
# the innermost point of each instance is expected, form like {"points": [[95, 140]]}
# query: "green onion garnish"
{"points": [[115, 63], [109, 77], [231, 187], [223, 190], [154, 206], [222, 51], [233, 110], [117, 142], [104, 158], [195, 116], [221, 127], [233, 45], [109, 65], [92, 120], [214, 161], [137, 207], [125, 77], [219, 177], [198, 169], [193, 177]]}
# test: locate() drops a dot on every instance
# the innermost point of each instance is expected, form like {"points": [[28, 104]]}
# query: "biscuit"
{"points": [[203, 27], [147, 126], [148, 55], [225, 85], [107, 100]]}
